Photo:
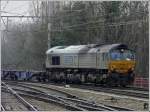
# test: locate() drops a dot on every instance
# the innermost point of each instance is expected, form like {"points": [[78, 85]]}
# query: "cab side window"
{"points": [[55, 60]]}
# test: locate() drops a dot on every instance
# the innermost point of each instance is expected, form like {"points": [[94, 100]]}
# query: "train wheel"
{"points": [[16, 78], [111, 82], [44, 80], [131, 78], [123, 83], [39, 80]]}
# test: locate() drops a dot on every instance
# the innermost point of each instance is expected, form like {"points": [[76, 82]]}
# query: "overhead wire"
{"points": [[61, 14], [52, 16], [11, 13], [78, 25], [96, 21], [106, 24], [99, 21]]}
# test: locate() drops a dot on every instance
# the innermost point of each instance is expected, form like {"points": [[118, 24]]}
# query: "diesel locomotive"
{"points": [[112, 64]]}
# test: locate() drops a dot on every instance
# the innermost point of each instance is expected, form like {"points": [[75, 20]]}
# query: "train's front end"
{"points": [[122, 65]]}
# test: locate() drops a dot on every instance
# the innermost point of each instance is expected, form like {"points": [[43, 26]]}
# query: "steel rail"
{"points": [[117, 91], [78, 107], [27, 86], [33, 95], [120, 108], [85, 102], [61, 101], [138, 94], [56, 98], [80, 102], [28, 105], [2, 108], [53, 100], [92, 85]]}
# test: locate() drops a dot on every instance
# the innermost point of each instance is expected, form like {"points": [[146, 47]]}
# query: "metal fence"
{"points": [[141, 82]]}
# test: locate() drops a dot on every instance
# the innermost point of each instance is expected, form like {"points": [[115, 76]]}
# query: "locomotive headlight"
{"points": [[113, 67], [131, 69]]}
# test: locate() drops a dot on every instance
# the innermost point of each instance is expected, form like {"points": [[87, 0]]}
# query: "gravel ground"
{"points": [[43, 106], [105, 98], [10, 102]]}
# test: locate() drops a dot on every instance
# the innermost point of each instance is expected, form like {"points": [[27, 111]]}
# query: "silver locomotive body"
{"points": [[80, 56], [90, 63]]}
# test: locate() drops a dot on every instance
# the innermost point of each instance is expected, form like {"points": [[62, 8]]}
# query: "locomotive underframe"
{"points": [[97, 76]]}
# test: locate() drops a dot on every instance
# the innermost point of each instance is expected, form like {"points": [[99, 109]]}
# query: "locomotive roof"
{"points": [[90, 48]]}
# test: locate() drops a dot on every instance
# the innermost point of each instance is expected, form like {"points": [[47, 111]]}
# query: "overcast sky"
{"points": [[21, 7], [14, 8]]}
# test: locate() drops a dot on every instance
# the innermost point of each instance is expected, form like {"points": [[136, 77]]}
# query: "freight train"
{"points": [[112, 64]]}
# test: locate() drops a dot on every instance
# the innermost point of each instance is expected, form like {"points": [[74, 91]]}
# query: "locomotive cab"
{"points": [[121, 65], [122, 60]]}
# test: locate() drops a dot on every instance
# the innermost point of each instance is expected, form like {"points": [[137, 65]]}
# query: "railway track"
{"points": [[2, 108], [20, 103], [35, 94], [128, 91], [53, 98], [118, 91], [137, 88], [70, 101]]}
